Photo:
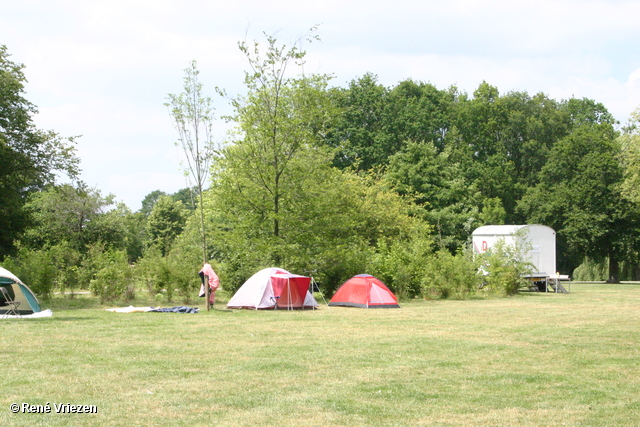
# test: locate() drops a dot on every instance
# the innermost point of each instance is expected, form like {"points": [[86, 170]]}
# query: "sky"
{"points": [[102, 70]]}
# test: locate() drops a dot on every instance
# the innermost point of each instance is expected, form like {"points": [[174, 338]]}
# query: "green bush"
{"points": [[36, 269], [591, 270], [450, 276], [177, 271], [92, 262], [505, 271], [67, 262], [146, 271], [164, 278], [114, 279], [183, 264], [399, 268]]}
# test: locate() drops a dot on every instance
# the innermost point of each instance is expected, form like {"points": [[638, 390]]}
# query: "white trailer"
{"points": [[538, 242]]}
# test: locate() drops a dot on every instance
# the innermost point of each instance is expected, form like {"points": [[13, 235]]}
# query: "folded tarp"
{"points": [[180, 309]]}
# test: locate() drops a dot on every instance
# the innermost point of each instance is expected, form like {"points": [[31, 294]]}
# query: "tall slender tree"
{"points": [[193, 116]]}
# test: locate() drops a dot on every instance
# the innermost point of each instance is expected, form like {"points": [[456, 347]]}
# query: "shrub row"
{"points": [[410, 272]]}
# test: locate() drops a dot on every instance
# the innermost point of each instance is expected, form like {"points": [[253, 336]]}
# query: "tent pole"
{"points": [[313, 282], [207, 291]]}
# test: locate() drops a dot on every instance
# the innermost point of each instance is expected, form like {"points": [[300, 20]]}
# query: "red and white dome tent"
{"points": [[273, 288]]}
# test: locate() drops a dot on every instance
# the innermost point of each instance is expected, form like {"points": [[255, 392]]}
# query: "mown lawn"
{"points": [[530, 360]]}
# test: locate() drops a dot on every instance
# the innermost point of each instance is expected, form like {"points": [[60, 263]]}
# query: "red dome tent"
{"points": [[364, 291]]}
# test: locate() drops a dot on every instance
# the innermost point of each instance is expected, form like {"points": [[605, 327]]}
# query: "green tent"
{"points": [[19, 292]]}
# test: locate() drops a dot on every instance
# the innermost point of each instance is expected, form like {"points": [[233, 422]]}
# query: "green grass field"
{"points": [[530, 360]]}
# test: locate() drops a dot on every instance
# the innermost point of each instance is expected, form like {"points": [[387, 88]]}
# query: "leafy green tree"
{"points": [[150, 200], [175, 271], [123, 229], [417, 111], [579, 196], [73, 227], [333, 224], [165, 223], [76, 214], [508, 139], [376, 122], [495, 145], [36, 268], [360, 124], [493, 212], [630, 143], [30, 157], [400, 261], [585, 111], [114, 277], [275, 197], [186, 196], [278, 119], [437, 182]]}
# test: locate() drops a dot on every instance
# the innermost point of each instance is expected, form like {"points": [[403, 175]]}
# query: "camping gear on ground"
{"points": [[11, 304], [130, 309], [28, 306], [214, 282], [364, 291], [274, 288], [179, 309], [38, 315]]}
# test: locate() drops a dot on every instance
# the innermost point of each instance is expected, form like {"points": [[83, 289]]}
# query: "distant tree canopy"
{"points": [[165, 222], [333, 182], [460, 161], [78, 215], [492, 159], [579, 195]]}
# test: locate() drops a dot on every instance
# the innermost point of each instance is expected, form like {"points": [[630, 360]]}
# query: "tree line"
{"points": [[330, 181]]}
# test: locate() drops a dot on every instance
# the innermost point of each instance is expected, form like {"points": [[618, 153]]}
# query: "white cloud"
{"points": [[634, 78]]}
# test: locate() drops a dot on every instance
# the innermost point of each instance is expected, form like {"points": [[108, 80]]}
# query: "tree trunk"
{"points": [[614, 270], [204, 249]]}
